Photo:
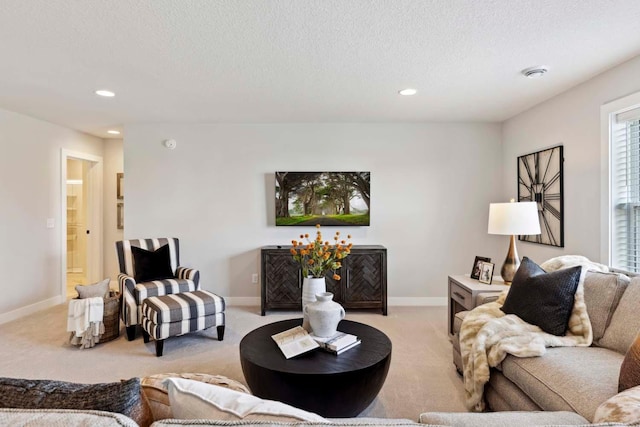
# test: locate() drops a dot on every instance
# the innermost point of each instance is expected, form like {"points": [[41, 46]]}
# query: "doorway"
{"points": [[81, 224]]}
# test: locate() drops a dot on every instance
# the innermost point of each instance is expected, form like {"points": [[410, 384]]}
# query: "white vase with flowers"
{"points": [[316, 258]]}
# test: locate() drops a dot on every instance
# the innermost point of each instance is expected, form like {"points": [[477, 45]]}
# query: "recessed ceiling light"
{"points": [[114, 132], [535, 72], [107, 93], [408, 92]]}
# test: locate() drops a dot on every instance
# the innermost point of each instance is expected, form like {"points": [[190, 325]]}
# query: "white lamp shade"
{"points": [[514, 218]]}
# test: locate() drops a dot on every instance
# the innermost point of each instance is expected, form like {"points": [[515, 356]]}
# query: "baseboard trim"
{"points": [[242, 301], [417, 301], [392, 302], [231, 301], [29, 309]]}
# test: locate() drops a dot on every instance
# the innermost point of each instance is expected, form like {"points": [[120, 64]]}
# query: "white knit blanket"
{"points": [[487, 335], [84, 321]]}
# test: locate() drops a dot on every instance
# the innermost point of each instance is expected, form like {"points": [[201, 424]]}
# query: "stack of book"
{"points": [[337, 344]]}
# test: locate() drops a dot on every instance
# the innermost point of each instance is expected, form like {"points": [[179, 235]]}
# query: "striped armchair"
{"points": [[133, 294]]}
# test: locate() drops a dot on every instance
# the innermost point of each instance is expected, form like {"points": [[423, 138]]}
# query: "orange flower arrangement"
{"points": [[317, 257]]}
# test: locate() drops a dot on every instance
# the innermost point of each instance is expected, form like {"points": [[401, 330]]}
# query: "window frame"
{"points": [[608, 112]]}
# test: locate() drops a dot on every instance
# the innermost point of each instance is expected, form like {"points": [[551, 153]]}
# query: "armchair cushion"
{"points": [[151, 265], [157, 288]]}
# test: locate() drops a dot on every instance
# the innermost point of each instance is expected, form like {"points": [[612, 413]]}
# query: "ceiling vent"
{"points": [[535, 72]]}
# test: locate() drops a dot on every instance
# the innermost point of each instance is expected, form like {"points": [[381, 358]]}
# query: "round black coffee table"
{"points": [[317, 381]]}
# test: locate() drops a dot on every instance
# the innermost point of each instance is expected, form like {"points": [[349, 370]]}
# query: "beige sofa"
{"points": [[158, 412], [577, 379], [156, 395]]}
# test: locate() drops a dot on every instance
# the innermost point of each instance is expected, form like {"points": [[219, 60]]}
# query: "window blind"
{"points": [[628, 116], [625, 173]]}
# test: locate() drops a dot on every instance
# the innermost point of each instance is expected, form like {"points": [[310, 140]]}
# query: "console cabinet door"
{"points": [[365, 280], [281, 281], [362, 284]]}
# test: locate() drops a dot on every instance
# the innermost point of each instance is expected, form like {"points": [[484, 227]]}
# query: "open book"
{"points": [[294, 341]]}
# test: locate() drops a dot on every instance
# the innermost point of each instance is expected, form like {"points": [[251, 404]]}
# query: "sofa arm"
{"points": [[485, 297], [189, 274], [502, 419], [128, 307]]}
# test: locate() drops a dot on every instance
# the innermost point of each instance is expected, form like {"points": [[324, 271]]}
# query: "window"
{"points": [[624, 166]]}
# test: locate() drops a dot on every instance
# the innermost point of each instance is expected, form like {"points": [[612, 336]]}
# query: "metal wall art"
{"points": [[540, 180]]}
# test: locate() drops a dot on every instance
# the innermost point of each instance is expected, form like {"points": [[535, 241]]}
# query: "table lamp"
{"points": [[513, 219]]}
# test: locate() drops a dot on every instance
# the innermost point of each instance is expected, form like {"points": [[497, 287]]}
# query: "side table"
{"points": [[463, 294]]}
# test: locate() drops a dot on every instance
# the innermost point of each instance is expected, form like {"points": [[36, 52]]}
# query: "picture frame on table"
{"points": [[475, 270], [486, 272]]}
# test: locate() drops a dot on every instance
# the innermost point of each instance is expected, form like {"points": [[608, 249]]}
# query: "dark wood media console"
{"points": [[362, 284]]}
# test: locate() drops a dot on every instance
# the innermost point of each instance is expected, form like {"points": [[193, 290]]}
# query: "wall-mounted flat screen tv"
{"points": [[325, 198]]}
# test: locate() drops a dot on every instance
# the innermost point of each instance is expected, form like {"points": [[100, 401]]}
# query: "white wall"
{"points": [[431, 185], [30, 253], [113, 164], [572, 119]]}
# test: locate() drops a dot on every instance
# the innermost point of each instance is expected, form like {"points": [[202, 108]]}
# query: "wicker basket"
{"points": [[111, 317]]}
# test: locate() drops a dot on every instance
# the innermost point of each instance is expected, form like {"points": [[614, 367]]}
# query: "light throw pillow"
{"points": [[196, 400], [123, 397], [625, 322], [151, 265], [630, 368], [100, 289], [543, 299], [622, 408], [157, 392]]}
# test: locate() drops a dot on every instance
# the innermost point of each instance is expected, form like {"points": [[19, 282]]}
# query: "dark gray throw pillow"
{"points": [[543, 299], [123, 397], [151, 265]]}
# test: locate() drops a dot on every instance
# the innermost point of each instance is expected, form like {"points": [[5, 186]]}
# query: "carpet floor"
{"points": [[421, 377]]}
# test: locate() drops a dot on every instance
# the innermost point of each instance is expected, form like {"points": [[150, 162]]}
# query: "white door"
{"points": [[81, 200]]}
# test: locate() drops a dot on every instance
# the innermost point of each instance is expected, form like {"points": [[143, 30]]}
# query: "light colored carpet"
{"points": [[421, 377]]}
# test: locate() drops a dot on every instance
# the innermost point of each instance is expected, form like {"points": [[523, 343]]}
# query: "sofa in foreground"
{"points": [[584, 380], [200, 399]]}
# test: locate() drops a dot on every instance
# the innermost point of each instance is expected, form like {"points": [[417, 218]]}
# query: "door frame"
{"points": [[94, 220]]}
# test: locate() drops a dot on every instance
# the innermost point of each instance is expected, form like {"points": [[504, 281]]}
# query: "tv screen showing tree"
{"points": [[325, 198]]}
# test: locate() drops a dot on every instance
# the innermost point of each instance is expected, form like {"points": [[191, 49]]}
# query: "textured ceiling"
{"points": [[262, 61]]}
